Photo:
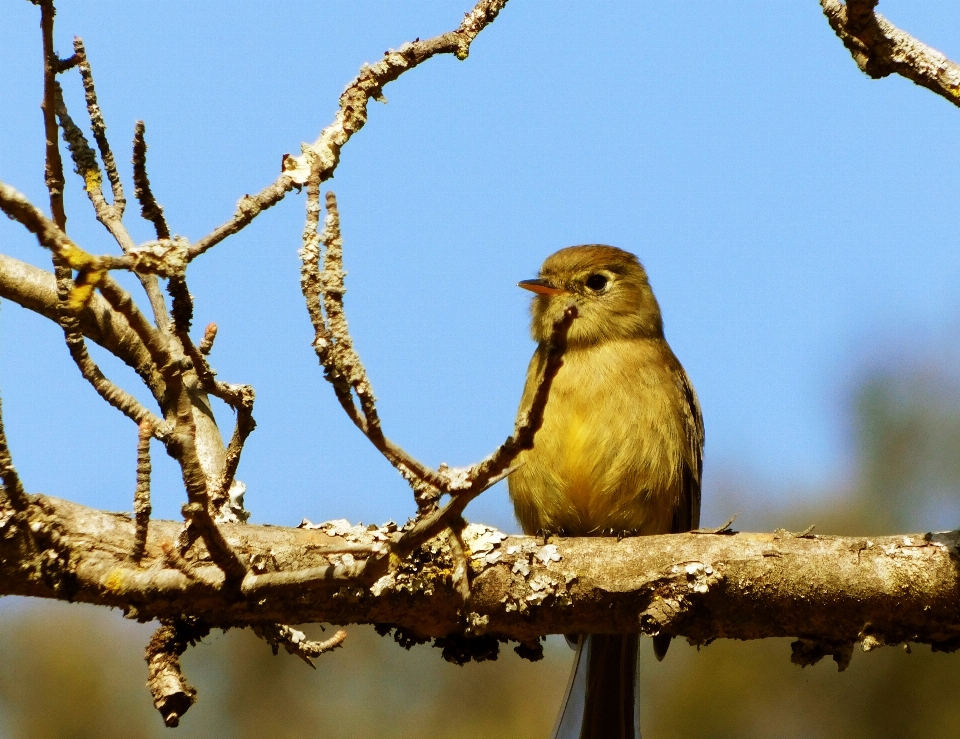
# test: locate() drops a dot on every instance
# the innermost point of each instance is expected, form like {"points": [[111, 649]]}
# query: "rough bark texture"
{"points": [[880, 48], [828, 591]]}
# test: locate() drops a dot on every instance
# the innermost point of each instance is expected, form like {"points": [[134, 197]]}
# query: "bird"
{"points": [[619, 451]]}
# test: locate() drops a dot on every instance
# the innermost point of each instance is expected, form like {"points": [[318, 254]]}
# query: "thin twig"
{"points": [[36, 289], [164, 258], [242, 429], [156, 343], [141, 497], [468, 484], [149, 208], [344, 370], [85, 161], [12, 485], [64, 65], [296, 642], [433, 524], [99, 128], [53, 164], [530, 421], [52, 236], [334, 345], [110, 392], [74, 296], [351, 117]]}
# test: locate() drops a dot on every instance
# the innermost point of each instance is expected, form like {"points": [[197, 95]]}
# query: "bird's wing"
{"points": [[686, 515]]}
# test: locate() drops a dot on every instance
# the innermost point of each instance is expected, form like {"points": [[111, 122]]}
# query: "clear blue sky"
{"points": [[794, 216]]}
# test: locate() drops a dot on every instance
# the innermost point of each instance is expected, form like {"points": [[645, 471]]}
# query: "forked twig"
{"points": [[323, 292], [99, 127], [110, 215]]}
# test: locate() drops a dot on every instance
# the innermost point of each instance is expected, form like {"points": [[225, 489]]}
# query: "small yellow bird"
{"points": [[620, 450]]}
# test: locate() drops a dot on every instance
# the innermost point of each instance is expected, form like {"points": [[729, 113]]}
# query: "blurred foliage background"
{"points": [[76, 671]]}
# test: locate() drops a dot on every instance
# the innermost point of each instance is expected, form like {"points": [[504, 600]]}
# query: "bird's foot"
{"points": [[726, 528], [547, 533], [620, 533]]}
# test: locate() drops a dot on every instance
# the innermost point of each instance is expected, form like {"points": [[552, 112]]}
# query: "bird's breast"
{"points": [[608, 455]]}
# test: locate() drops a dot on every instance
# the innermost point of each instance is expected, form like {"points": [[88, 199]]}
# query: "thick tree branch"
{"points": [[879, 48], [829, 592]]}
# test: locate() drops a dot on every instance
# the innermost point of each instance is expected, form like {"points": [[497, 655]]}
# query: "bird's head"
{"points": [[607, 285]]}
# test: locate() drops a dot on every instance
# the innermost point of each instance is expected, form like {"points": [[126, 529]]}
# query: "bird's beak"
{"points": [[541, 287]]}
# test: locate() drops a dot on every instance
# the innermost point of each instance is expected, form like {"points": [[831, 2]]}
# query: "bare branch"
{"points": [[155, 342], [64, 65], [172, 695], [324, 153], [85, 161], [879, 48], [149, 208], [99, 127], [296, 642], [228, 507], [431, 524], [182, 446], [141, 497], [113, 394], [223, 502], [241, 399], [50, 235], [530, 421], [53, 165], [344, 370], [75, 297], [12, 486], [827, 591], [36, 290], [181, 306], [334, 346]]}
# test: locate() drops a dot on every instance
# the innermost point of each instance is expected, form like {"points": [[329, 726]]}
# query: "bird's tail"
{"points": [[601, 700]]}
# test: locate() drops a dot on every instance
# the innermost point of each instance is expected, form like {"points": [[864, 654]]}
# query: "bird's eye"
{"points": [[597, 282]]}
